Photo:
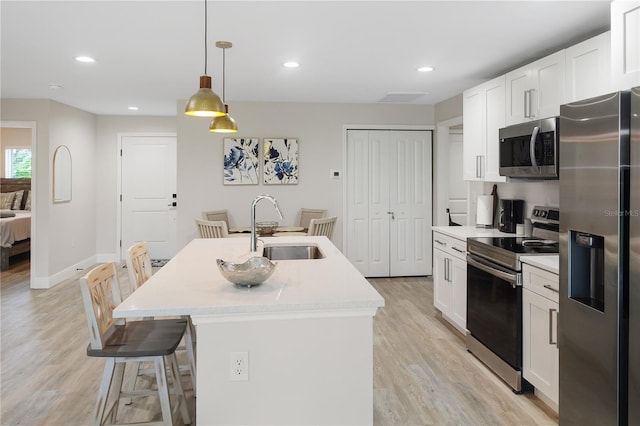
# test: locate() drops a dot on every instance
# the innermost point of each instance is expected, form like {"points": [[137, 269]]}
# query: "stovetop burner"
{"points": [[521, 245], [506, 251]]}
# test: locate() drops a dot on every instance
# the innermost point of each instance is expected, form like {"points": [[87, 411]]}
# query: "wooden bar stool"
{"points": [[139, 271], [120, 342]]}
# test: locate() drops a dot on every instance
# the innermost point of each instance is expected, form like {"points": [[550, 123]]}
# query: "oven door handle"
{"points": [[490, 269]]}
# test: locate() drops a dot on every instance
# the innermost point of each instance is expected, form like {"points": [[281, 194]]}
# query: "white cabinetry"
{"points": [[625, 44], [483, 116], [540, 360], [588, 71], [450, 279], [536, 90]]}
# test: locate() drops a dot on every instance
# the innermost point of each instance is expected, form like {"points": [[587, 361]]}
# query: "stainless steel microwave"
{"points": [[530, 150]]}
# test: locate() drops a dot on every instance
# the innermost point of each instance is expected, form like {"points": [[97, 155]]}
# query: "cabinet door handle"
{"points": [[551, 342], [478, 166], [547, 286], [527, 104], [446, 275], [532, 110]]}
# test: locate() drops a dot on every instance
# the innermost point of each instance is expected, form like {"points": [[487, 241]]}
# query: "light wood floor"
{"points": [[423, 374]]}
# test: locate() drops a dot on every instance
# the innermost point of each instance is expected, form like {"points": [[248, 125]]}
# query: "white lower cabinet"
{"points": [[450, 279], [540, 357]]}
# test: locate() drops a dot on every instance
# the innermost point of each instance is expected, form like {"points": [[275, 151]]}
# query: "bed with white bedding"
{"points": [[15, 219]]}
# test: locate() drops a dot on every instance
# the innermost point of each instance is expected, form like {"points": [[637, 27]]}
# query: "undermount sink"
{"points": [[292, 252]]}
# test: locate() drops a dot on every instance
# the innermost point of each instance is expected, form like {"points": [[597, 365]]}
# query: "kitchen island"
{"points": [[306, 332]]}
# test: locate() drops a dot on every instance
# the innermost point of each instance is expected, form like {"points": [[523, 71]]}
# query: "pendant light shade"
{"points": [[225, 123], [205, 103]]}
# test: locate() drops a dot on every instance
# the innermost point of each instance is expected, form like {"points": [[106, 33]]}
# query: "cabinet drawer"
{"points": [[542, 282], [453, 246]]}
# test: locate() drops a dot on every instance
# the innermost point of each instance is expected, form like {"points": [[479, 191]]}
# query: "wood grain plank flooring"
{"points": [[423, 374]]}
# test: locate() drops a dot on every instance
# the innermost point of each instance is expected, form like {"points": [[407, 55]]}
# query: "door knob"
{"points": [[393, 217]]}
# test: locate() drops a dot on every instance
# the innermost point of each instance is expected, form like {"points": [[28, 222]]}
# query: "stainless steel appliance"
{"points": [[494, 294], [599, 318], [511, 214], [529, 150]]}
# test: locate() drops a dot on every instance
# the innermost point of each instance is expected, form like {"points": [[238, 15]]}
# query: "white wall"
{"points": [[64, 234], [319, 129], [107, 192]]}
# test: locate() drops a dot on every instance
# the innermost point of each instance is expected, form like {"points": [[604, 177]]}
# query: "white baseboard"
{"points": [[57, 278]]}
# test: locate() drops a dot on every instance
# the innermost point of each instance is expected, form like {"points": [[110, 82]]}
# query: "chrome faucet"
{"points": [[254, 236]]}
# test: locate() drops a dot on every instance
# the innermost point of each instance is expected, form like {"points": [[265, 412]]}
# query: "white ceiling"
{"points": [[151, 53]]}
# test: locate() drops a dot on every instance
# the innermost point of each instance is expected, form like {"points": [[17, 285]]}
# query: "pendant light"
{"points": [[205, 103], [223, 124]]}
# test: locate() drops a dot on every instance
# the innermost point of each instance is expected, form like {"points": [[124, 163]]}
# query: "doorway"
{"points": [[147, 193], [30, 127], [389, 201]]}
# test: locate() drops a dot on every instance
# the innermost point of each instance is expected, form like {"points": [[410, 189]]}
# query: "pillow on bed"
{"points": [[27, 204], [6, 200], [6, 213], [17, 200]]}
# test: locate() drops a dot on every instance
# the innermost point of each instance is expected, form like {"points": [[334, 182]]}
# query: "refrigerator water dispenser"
{"points": [[586, 269]]}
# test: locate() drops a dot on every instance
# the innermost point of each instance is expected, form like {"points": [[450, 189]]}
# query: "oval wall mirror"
{"points": [[61, 175]]}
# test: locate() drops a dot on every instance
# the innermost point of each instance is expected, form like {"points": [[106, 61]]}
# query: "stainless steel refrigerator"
{"points": [[599, 314]]}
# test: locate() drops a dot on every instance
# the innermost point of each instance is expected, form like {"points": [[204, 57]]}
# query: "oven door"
{"points": [[494, 309]]}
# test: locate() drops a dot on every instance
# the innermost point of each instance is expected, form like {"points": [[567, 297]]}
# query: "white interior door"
{"points": [[389, 202], [148, 188], [410, 201]]}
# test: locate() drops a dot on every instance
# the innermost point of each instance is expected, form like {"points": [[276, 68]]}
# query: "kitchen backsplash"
{"points": [[544, 193]]}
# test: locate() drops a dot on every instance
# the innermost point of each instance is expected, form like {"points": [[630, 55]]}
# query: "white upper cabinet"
{"points": [[483, 116], [588, 68], [536, 90], [625, 44]]}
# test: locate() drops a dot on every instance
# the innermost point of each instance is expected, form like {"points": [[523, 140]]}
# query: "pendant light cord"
{"points": [[223, 72], [205, 37]]}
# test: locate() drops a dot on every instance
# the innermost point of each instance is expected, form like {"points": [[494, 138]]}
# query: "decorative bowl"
{"points": [[266, 228], [250, 273]]}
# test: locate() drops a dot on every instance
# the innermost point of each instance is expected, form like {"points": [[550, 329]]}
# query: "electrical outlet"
{"points": [[239, 366]]}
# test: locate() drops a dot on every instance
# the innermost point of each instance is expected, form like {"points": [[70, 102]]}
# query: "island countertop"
{"points": [[191, 284]]}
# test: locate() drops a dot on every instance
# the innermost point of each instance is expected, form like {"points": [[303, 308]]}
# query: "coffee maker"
{"points": [[511, 214]]}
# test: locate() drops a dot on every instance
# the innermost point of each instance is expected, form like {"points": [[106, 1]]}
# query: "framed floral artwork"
{"points": [[280, 161], [241, 161]]}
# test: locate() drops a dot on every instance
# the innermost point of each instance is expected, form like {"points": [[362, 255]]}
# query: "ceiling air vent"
{"points": [[401, 97]]}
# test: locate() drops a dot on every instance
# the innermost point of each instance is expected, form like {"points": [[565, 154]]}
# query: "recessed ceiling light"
{"points": [[133, 108], [87, 59], [55, 86], [425, 69], [291, 64]]}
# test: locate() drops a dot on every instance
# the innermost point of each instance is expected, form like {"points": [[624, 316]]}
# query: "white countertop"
{"points": [[191, 284], [548, 263], [464, 232]]}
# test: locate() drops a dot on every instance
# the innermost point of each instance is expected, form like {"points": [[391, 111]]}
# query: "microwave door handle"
{"points": [[532, 146]]}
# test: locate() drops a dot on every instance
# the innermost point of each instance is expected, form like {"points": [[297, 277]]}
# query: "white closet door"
{"points": [[379, 156], [358, 199], [410, 203], [389, 202]]}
